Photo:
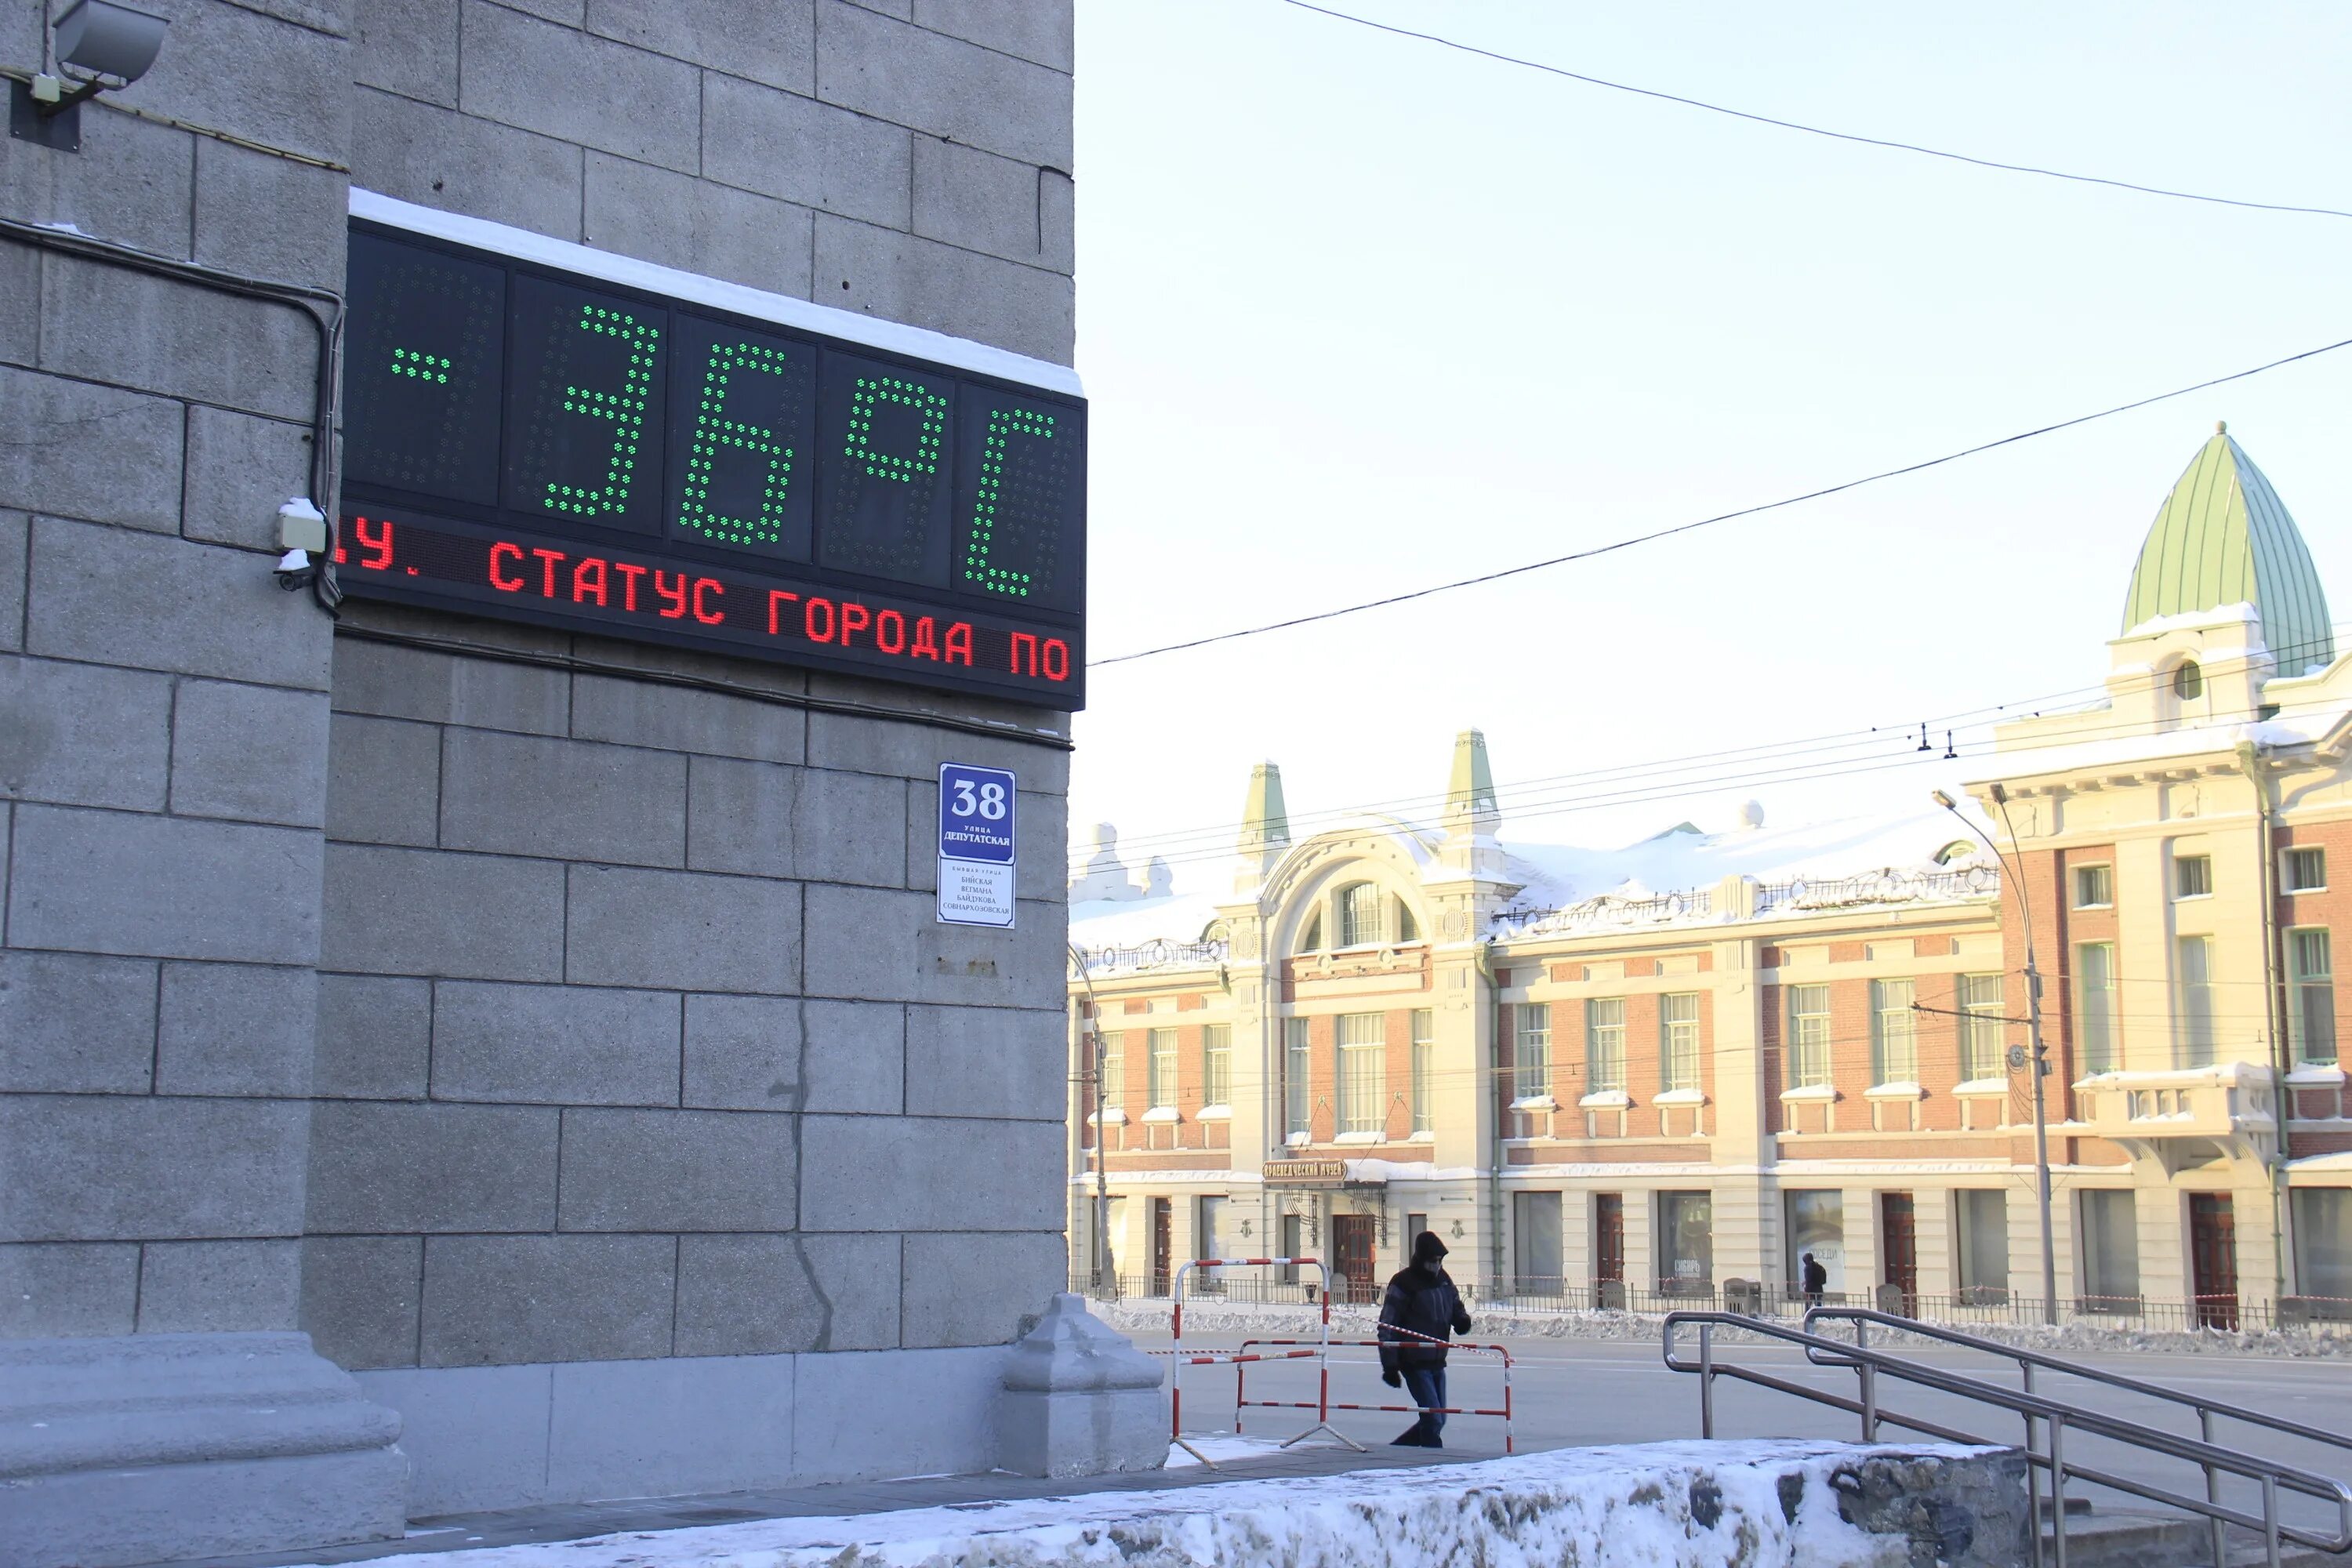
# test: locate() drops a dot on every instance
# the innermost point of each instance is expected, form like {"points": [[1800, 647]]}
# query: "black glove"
{"points": [[1393, 1378]]}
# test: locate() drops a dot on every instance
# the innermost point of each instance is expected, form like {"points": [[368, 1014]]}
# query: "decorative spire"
{"points": [[1470, 790], [2223, 537], [1265, 829]]}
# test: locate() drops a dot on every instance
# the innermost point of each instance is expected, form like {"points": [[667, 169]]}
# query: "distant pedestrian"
{"points": [[1817, 1279], [1420, 1313]]}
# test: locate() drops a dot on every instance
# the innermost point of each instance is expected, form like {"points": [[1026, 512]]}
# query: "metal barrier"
{"points": [[1323, 1407], [1176, 1334], [2054, 1417]]}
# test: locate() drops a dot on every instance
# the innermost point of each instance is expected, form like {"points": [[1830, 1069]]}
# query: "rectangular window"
{"points": [[1981, 999], [1531, 1051], [1604, 1045], [2306, 870], [1536, 1233], [1809, 1036], [1114, 1071], [1425, 1048], [2196, 971], [1162, 1067], [1678, 1042], [2095, 887], [1893, 1032], [1360, 916], [2192, 875], [1817, 1231], [2094, 1004], [1298, 1101], [1209, 1229], [2311, 1022], [2110, 1251], [2323, 1243], [1984, 1246], [1217, 1064], [1363, 1050], [1686, 1243]]}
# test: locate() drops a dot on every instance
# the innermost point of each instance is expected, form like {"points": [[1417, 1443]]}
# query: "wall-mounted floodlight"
{"points": [[112, 43]]}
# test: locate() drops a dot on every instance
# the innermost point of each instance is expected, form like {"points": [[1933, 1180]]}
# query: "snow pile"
{"points": [[1762, 1504]]}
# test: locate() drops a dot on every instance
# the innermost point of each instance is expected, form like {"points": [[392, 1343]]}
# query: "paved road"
{"points": [[1580, 1391]]}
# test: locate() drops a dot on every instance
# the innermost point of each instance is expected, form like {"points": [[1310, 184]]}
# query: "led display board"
{"points": [[549, 445]]}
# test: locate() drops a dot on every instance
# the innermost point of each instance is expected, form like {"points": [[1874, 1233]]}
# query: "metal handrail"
{"points": [[2027, 1360], [2057, 1417]]}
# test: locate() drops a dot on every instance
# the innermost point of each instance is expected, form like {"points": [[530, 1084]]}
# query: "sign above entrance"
{"points": [[1304, 1173], [558, 435]]}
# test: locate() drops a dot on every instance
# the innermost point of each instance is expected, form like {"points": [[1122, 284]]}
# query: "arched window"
{"points": [[1408, 929], [1360, 915], [1312, 939], [2188, 681]]}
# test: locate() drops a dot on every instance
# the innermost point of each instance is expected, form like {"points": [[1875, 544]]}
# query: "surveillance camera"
{"points": [[295, 568], [108, 39]]}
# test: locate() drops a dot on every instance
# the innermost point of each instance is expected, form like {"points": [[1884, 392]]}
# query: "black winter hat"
{"points": [[1427, 1247]]}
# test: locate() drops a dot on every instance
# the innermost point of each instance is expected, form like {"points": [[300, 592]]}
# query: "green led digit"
{"points": [[1003, 424], [423, 366], [625, 408], [715, 432], [873, 391]]}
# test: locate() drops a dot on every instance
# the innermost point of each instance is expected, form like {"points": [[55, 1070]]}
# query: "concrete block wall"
{"points": [[163, 709], [636, 1035], [909, 159], [565, 1041]]}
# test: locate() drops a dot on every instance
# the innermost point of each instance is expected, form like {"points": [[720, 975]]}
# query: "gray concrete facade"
{"points": [[553, 1029]]}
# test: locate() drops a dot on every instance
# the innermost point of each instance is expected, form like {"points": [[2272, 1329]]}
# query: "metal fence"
{"points": [[1977, 1308]]}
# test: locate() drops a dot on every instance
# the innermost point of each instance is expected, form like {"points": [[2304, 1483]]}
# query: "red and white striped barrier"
{"points": [[1323, 1407], [1176, 1333]]}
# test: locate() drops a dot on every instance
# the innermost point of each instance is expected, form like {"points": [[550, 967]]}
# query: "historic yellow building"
{"points": [[1702, 1058]]}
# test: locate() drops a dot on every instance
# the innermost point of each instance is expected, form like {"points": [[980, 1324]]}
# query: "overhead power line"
{"points": [[1888, 143], [1659, 533]]}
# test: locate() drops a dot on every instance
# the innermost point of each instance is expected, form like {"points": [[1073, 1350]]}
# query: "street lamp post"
{"points": [[2040, 1067], [1090, 1047]]}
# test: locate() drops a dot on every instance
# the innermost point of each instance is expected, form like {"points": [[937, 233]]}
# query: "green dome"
{"points": [[2223, 537]]}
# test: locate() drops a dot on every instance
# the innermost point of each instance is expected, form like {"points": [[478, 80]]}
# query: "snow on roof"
{"points": [[2193, 620], [1128, 922], [2306, 727], [1684, 858], [1676, 869]]}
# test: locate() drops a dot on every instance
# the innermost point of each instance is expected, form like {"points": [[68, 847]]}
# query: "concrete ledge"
{"points": [[1759, 1504], [125, 1451]]}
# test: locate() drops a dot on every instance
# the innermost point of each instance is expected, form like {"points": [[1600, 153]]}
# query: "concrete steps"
{"points": [[2106, 1539]]}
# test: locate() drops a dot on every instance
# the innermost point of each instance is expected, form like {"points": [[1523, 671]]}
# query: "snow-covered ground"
{"points": [[1764, 1504]]}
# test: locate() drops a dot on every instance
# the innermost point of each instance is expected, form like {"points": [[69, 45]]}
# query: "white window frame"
{"points": [[2198, 1044], [2317, 856], [1362, 1074], [1160, 1066], [1531, 1043], [1216, 1067], [1604, 1045], [1114, 1069], [2095, 1007], [1363, 911], [1981, 1028], [2181, 877], [1678, 1044], [1297, 1086], [1424, 1051], [2106, 872], [1893, 1032], [2308, 991], [1809, 1037]]}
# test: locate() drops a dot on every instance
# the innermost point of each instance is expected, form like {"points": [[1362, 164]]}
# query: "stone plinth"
{"points": [[1080, 1400]]}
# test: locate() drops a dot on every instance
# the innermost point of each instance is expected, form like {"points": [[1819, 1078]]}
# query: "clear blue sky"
{"points": [[1358, 313]]}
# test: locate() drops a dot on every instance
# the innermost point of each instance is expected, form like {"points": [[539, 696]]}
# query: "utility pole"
{"points": [[2038, 1064], [1091, 1048]]}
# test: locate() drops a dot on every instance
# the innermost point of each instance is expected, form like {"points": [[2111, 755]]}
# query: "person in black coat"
{"points": [[1420, 1312], [1817, 1279]]}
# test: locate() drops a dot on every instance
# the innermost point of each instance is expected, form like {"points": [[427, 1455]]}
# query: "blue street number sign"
{"points": [[976, 845]]}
